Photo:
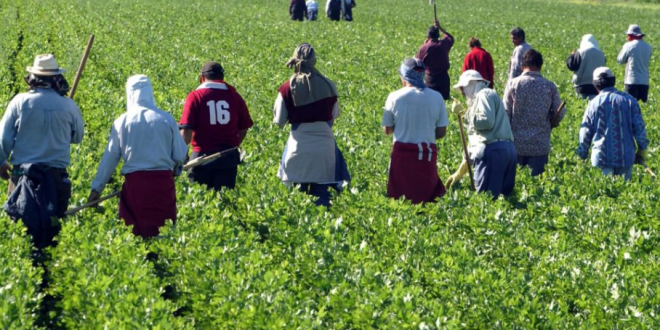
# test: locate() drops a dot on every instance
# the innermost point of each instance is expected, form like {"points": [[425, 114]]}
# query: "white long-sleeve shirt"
{"points": [[39, 127], [636, 55], [145, 137], [146, 140]]}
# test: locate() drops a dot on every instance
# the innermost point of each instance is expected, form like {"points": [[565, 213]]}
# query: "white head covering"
{"points": [[588, 41], [139, 93], [472, 83]]}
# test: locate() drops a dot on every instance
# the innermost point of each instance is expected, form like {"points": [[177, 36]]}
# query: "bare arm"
{"points": [[186, 134], [388, 130]]}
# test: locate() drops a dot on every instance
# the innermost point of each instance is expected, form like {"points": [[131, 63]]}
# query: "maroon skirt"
{"points": [[414, 172], [147, 199]]}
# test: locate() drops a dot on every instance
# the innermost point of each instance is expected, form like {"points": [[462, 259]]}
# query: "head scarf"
{"points": [[412, 71], [308, 85], [139, 93], [588, 41]]}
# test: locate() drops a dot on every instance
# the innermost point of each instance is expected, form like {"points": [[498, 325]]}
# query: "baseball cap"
{"points": [[212, 67], [602, 72]]}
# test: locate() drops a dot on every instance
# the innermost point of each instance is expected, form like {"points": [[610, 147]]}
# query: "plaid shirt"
{"points": [[531, 101]]}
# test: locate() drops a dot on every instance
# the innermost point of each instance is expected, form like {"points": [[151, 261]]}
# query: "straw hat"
{"points": [[45, 65]]}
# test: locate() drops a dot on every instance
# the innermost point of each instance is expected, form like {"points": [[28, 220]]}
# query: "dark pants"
{"points": [[348, 13], [218, 173], [312, 14], [536, 163], [63, 190], [439, 83], [62, 186], [496, 170], [639, 92], [298, 15], [319, 190], [586, 91]]}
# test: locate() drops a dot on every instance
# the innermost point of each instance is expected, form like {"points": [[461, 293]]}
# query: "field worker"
{"points": [[312, 10], [37, 131], [520, 47], [308, 101], [479, 59], [333, 9], [147, 139], [613, 122], [636, 54], [435, 55], [215, 119], [490, 140], [531, 102], [417, 117], [347, 9], [583, 62], [297, 10]]}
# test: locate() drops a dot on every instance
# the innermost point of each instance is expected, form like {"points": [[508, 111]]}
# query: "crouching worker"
{"points": [[215, 119], [490, 140], [417, 117], [308, 101], [37, 131], [613, 122], [147, 139]]}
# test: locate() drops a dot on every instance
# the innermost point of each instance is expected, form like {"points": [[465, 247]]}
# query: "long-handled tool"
{"points": [[554, 122], [206, 159], [90, 204], [465, 150], [648, 170], [81, 67], [196, 162]]}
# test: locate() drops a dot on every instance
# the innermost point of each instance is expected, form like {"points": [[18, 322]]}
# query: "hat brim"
{"points": [[465, 83], [41, 72]]}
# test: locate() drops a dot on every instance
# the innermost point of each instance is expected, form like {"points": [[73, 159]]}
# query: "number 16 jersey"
{"points": [[215, 113]]}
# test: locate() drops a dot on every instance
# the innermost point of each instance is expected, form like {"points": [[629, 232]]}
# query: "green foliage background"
{"points": [[570, 250]]}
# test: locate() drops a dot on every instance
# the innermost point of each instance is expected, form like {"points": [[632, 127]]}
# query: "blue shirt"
{"points": [[612, 122], [39, 127], [146, 139]]}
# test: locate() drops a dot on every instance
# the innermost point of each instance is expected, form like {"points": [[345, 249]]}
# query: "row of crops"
{"points": [[569, 250]]}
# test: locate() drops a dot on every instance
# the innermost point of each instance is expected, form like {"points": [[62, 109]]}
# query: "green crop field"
{"points": [[569, 250]]}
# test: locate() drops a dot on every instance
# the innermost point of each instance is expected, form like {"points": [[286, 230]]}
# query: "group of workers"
{"points": [[300, 10], [38, 127], [503, 134]]}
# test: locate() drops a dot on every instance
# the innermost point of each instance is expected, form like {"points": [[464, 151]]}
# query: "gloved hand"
{"points": [[456, 177], [640, 156], [457, 108]]}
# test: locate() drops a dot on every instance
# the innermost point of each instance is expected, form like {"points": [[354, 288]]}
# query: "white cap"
{"points": [[635, 30], [602, 72], [467, 76]]}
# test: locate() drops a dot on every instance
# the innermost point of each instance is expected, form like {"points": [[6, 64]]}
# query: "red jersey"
{"points": [[216, 113], [480, 60]]}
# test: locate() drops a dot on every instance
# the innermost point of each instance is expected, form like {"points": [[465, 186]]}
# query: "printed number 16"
{"points": [[219, 112]]}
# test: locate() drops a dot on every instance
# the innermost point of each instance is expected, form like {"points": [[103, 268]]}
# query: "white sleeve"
{"points": [[281, 114], [109, 162], [388, 113]]}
